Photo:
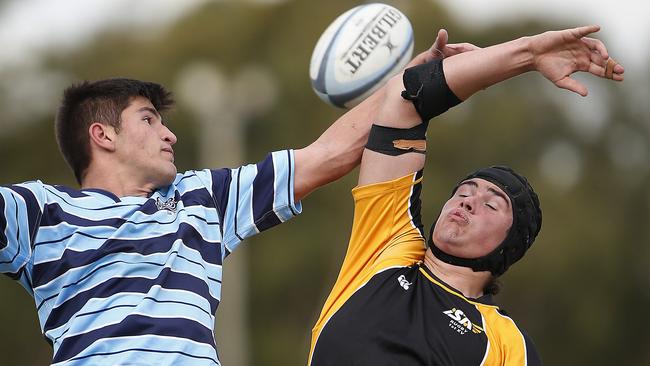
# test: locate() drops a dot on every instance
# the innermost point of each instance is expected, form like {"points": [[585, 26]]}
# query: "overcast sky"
{"points": [[27, 26], [624, 23]]}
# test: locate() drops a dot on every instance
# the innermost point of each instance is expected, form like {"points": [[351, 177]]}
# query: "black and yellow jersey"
{"points": [[386, 308]]}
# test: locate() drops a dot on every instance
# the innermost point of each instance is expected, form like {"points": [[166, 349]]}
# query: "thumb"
{"points": [[440, 43]]}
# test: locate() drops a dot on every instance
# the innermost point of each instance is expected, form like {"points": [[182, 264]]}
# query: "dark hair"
{"points": [[493, 286], [100, 101]]}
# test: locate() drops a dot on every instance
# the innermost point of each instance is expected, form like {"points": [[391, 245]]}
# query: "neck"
{"points": [[117, 182], [463, 279]]}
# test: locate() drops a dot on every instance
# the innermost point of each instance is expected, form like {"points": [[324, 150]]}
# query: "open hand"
{"points": [[558, 54]]}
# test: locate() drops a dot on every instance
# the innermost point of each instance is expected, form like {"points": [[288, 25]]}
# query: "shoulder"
{"points": [[512, 332]]}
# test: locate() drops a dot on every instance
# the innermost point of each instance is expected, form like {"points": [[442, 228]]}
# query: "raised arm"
{"points": [[338, 150], [556, 55]]}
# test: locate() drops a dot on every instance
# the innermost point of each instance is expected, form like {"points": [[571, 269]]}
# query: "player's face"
{"points": [[474, 221], [144, 144]]}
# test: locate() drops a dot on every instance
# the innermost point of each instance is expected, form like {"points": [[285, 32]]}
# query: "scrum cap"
{"points": [[526, 222]]}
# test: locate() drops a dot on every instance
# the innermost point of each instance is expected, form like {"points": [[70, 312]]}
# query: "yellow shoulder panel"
{"points": [[507, 345], [383, 236]]}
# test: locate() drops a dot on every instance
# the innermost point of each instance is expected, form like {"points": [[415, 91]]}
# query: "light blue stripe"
{"points": [[165, 345], [239, 197], [284, 205], [181, 305], [133, 259], [91, 315], [135, 267], [50, 249]]}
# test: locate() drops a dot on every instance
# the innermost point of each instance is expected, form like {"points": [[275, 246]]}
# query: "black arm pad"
{"points": [[397, 141], [427, 89]]}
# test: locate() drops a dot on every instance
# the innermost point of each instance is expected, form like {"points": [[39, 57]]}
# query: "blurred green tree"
{"points": [[583, 289]]}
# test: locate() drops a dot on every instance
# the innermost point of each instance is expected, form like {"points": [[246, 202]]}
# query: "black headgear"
{"points": [[526, 222]]}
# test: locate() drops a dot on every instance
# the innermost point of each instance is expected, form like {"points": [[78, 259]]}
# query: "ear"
{"points": [[102, 136]]}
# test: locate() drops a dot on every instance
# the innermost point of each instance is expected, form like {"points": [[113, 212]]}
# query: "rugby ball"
{"points": [[359, 52]]}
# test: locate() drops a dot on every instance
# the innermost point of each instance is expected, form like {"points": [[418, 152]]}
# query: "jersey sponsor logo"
{"points": [[169, 205], [403, 282], [461, 323]]}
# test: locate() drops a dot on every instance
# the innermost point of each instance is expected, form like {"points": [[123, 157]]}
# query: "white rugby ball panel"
{"points": [[356, 96], [359, 51], [324, 42]]}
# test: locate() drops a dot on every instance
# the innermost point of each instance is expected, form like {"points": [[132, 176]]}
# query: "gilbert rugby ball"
{"points": [[359, 52]]}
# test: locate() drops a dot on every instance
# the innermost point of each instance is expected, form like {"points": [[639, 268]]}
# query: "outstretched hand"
{"points": [[558, 54]]}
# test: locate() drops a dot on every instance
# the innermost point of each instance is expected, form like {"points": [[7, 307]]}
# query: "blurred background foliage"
{"points": [[581, 293]]}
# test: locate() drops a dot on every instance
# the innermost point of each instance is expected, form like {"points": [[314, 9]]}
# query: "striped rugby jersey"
{"points": [[135, 280]]}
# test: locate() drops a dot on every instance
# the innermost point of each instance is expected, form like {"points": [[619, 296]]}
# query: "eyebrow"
{"points": [[149, 109], [496, 192]]}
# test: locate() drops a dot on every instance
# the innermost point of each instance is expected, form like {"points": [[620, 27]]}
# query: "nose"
{"points": [[168, 135], [467, 203]]}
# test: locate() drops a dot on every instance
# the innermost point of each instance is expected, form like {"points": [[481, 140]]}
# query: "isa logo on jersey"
{"points": [[359, 52]]}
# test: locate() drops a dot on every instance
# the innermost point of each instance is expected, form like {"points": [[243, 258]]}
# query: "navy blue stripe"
{"points": [[63, 238], [416, 204], [145, 350], [75, 193], [167, 279], [132, 306], [55, 215], [105, 193], [149, 207], [263, 195], [191, 174], [48, 271], [3, 223], [199, 197], [268, 221], [220, 190], [34, 212], [136, 325], [17, 235]]}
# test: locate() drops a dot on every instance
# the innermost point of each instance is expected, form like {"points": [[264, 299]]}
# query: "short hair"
{"points": [[100, 101]]}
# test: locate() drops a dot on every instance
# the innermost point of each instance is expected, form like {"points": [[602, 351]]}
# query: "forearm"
{"points": [[338, 150], [464, 75], [469, 72]]}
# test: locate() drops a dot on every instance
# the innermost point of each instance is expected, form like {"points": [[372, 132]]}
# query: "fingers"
{"points": [[572, 85], [613, 70], [608, 69], [597, 59], [597, 46], [584, 31], [601, 64]]}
